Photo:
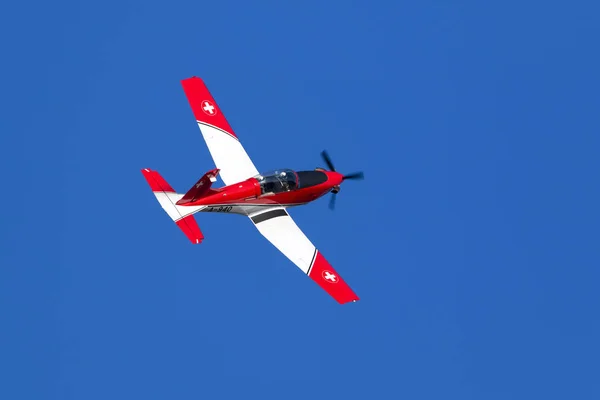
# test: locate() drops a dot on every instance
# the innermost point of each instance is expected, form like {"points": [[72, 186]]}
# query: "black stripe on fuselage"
{"points": [[257, 219]]}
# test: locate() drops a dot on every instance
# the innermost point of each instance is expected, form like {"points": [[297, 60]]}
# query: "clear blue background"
{"points": [[473, 243]]}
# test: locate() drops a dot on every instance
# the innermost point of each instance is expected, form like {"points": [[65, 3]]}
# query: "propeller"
{"points": [[327, 160], [354, 176], [332, 201], [336, 189]]}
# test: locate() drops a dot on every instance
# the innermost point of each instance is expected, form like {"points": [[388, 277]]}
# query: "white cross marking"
{"points": [[209, 108], [329, 276]]}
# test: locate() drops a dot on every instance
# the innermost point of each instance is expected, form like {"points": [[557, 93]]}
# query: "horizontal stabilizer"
{"points": [[190, 227], [167, 197]]}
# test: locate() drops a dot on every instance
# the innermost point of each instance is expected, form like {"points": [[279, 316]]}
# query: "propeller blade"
{"points": [[327, 160], [332, 201], [355, 175]]}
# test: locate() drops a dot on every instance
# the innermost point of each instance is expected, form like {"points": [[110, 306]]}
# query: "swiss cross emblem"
{"points": [[330, 277], [209, 108]]}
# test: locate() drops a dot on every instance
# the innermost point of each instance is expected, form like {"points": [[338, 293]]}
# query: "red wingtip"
{"points": [[326, 277], [203, 104]]}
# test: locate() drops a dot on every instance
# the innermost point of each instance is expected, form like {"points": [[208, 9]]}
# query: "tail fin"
{"points": [[167, 197], [201, 188]]}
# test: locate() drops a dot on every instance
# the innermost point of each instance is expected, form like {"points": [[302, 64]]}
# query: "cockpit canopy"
{"points": [[281, 180]]}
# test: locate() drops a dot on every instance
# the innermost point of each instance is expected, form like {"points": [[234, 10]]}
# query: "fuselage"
{"points": [[282, 187]]}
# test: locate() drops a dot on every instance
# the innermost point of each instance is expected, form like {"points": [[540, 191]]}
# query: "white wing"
{"points": [[224, 146], [280, 229]]}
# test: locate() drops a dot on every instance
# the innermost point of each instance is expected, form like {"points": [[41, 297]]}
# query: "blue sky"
{"points": [[473, 241]]}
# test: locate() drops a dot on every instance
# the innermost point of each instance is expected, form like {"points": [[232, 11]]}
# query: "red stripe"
{"points": [[203, 105], [190, 227], [326, 277], [156, 182]]}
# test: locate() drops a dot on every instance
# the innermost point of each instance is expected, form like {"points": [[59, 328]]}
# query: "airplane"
{"points": [[263, 197]]}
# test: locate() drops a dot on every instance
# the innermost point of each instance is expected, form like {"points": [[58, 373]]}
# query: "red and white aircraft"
{"points": [[263, 197]]}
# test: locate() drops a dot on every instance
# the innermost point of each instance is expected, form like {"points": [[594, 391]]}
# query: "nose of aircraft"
{"points": [[334, 178]]}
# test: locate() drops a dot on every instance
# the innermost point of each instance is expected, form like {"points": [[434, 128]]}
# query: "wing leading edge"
{"points": [[224, 146], [280, 229]]}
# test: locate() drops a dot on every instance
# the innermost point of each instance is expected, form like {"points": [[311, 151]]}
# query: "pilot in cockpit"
{"points": [[284, 181]]}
